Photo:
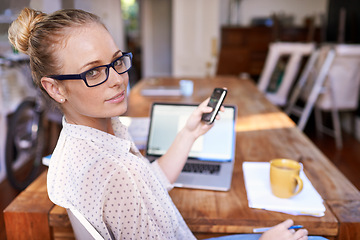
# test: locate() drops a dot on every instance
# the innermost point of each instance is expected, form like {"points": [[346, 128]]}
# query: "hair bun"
{"points": [[19, 32]]}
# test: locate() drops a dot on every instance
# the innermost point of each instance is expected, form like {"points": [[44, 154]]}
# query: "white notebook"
{"points": [[257, 183], [161, 91]]}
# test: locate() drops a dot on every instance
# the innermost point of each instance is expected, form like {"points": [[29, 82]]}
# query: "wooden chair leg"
{"points": [[319, 121], [335, 115], [337, 128]]}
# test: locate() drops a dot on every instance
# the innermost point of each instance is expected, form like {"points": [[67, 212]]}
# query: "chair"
{"points": [[331, 85], [296, 52], [83, 229]]}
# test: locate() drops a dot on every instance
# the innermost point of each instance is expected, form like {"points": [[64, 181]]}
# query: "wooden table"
{"points": [[263, 132]]}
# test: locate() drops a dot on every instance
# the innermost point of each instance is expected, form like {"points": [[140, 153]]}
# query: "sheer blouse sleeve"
{"points": [[161, 175]]}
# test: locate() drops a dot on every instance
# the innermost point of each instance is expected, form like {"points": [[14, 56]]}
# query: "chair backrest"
{"points": [[83, 229], [344, 75], [295, 51], [319, 68]]}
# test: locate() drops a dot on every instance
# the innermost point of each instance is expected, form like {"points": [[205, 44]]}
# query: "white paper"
{"points": [[46, 160], [161, 91], [257, 183]]}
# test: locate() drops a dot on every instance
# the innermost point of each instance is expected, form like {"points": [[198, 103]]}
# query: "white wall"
{"points": [[47, 6], [110, 13], [195, 29], [265, 8], [108, 10], [156, 37]]}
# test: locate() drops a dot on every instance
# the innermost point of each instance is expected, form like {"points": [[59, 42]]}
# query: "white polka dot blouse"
{"points": [[119, 192]]}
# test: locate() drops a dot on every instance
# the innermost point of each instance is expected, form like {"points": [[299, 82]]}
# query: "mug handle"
{"points": [[299, 184]]}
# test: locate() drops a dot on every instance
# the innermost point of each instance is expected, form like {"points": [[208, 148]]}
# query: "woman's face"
{"points": [[85, 48]]}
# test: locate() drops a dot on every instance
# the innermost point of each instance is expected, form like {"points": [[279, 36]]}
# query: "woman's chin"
{"points": [[119, 111]]}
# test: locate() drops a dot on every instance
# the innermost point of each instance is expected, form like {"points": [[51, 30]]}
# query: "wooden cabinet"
{"points": [[244, 49]]}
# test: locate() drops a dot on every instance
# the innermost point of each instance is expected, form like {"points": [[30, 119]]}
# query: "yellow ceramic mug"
{"points": [[284, 177]]}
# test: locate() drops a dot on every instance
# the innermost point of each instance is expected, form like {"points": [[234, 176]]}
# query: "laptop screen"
{"points": [[167, 120]]}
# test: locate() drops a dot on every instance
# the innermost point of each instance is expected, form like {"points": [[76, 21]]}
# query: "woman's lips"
{"points": [[118, 98]]}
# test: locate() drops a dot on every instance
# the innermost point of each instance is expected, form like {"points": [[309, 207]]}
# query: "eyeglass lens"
{"points": [[100, 74]]}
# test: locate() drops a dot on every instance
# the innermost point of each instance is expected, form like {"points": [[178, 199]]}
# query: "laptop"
{"points": [[211, 159]]}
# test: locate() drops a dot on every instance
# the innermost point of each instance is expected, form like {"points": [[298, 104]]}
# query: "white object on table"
{"points": [[258, 190]]}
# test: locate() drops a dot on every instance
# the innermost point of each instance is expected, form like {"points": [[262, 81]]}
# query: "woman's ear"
{"points": [[53, 89]]}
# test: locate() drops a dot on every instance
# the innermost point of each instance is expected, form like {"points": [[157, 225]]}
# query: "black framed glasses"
{"points": [[98, 75]]}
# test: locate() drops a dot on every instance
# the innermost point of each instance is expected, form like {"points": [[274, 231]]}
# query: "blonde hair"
{"points": [[40, 36]]}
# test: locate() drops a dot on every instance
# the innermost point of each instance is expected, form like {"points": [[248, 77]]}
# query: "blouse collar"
{"points": [[106, 140]]}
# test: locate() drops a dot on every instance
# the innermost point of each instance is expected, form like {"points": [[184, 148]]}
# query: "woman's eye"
{"points": [[118, 62], [92, 73]]}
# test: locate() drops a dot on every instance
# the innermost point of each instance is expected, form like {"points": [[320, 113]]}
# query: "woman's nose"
{"points": [[115, 78]]}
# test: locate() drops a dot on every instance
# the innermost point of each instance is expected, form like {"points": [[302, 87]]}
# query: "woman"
{"points": [[95, 166]]}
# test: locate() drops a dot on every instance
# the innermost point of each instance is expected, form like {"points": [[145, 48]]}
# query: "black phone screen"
{"points": [[216, 99]]}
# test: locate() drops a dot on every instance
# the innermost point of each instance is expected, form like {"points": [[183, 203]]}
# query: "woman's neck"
{"points": [[102, 124]]}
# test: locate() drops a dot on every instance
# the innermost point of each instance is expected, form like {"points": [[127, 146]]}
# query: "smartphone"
{"points": [[216, 99]]}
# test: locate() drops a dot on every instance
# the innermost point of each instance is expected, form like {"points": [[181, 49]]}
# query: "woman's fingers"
{"points": [[301, 234]]}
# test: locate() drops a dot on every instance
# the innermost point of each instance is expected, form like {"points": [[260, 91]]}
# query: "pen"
{"points": [[260, 230]]}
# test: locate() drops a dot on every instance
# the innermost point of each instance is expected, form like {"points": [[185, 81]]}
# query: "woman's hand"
{"points": [[194, 125], [282, 232], [172, 162]]}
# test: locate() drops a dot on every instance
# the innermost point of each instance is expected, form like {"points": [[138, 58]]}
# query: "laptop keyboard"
{"points": [[202, 168]]}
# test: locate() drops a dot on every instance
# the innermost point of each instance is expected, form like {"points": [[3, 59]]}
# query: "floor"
{"points": [[346, 159]]}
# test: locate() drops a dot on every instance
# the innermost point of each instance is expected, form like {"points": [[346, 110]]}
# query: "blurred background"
{"points": [[186, 38]]}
